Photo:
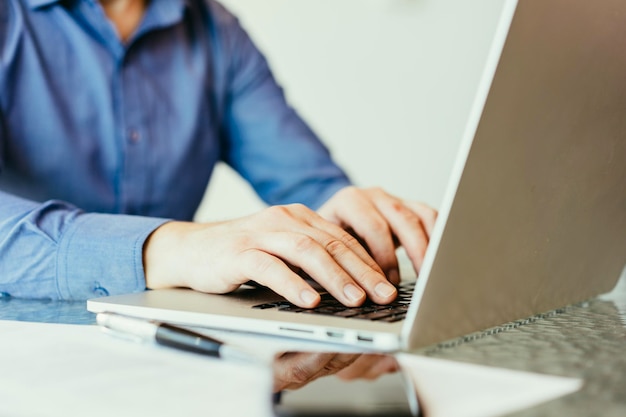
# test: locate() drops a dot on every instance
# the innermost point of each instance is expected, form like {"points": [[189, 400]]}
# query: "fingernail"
{"points": [[308, 297], [385, 290], [353, 293]]}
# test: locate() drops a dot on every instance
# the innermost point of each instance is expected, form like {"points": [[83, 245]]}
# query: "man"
{"points": [[113, 115]]}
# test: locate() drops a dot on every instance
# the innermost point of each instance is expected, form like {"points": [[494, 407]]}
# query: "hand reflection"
{"points": [[293, 370], [369, 366]]}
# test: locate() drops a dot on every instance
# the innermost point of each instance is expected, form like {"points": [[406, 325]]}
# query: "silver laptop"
{"points": [[534, 217]]}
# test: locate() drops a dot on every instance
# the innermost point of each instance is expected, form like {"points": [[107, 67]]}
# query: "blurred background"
{"points": [[387, 85]]}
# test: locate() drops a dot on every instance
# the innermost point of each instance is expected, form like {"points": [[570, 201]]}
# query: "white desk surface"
{"points": [[55, 369]]}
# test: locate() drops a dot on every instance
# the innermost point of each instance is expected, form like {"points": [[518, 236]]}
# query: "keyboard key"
{"points": [[328, 305]]}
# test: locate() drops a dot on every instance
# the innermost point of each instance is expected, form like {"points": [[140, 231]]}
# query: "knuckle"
{"points": [[283, 212], [335, 365], [277, 211], [378, 226], [298, 207], [398, 206], [299, 374], [244, 242], [303, 243], [377, 191], [348, 239], [335, 247]]}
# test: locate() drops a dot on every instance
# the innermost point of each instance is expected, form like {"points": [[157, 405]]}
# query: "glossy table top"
{"points": [[586, 341]]}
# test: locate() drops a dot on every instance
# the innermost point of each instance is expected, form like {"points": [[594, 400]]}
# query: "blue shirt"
{"points": [[101, 141]]}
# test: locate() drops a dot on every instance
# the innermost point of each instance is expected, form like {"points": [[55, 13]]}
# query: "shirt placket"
{"points": [[134, 131]]}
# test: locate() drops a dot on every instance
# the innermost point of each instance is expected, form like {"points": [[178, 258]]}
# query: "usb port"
{"points": [[335, 335], [362, 338]]}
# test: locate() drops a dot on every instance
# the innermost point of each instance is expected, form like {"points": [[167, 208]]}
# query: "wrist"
{"points": [[160, 252]]}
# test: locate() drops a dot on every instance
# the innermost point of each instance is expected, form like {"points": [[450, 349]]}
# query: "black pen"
{"points": [[166, 334]]}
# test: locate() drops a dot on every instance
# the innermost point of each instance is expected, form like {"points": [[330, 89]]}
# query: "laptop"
{"points": [[534, 217]]}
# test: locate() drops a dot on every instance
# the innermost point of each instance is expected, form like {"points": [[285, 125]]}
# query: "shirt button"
{"points": [[100, 291], [134, 136]]}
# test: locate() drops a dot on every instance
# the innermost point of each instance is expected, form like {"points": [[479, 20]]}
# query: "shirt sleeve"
{"points": [[268, 143], [54, 250]]}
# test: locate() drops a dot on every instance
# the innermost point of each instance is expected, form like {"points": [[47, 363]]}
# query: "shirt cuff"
{"points": [[102, 254]]}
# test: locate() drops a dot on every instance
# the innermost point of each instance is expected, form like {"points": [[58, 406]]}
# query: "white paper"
{"points": [[450, 388], [75, 370]]}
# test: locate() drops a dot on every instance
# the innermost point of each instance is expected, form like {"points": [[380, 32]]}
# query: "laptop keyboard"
{"points": [[329, 306]]}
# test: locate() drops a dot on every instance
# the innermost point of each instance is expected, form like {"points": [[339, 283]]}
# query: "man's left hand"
{"points": [[383, 222]]}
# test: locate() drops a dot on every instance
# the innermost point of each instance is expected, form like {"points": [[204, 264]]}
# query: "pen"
{"points": [[166, 334]]}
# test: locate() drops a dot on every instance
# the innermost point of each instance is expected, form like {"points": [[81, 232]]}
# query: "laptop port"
{"points": [[362, 338], [292, 329]]}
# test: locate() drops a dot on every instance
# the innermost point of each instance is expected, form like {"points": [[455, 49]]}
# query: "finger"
{"points": [[366, 274], [360, 214], [349, 276], [307, 218], [299, 218], [338, 362], [407, 226], [369, 367], [360, 248], [323, 364], [296, 369], [427, 214], [359, 368], [372, 280], [267, 270], [329, 262]]}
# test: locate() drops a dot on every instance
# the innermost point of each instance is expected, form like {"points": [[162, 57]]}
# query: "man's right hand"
{"points": [[293, 370], [264, 247]]}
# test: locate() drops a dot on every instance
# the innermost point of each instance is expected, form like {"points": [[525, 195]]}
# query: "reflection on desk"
{"points": [[45, 311], [585, 341]]}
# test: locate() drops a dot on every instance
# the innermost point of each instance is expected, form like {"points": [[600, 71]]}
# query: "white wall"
{"points": [[387, 84]]}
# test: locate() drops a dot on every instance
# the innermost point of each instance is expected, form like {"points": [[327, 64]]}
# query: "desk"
{"points": [[585, 341]]}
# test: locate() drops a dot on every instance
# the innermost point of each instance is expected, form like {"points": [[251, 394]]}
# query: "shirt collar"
{"points": [[35, 4]]}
